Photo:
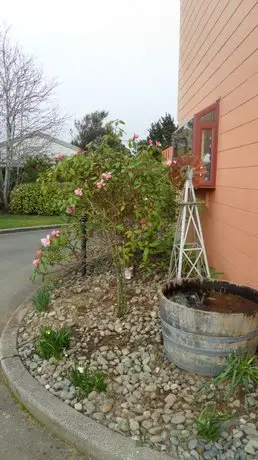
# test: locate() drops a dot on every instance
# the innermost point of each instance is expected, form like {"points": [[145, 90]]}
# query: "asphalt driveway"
{"points": [[21, 437]]}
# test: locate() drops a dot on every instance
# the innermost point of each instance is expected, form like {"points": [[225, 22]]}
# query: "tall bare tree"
{"points": [[27, 108]]}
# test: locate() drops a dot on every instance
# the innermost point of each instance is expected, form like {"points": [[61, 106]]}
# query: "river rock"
{"points": [[192, 444], [134, 425], [78, 406], [250, 449], [170, 400], [106, 407], [178, 419]]}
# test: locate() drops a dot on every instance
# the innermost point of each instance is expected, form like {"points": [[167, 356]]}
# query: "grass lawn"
{"points": [[13, 221]]}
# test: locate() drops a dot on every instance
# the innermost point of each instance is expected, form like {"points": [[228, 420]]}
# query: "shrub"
{"points": [[32, 199], [130, 199], [52, 342], [35, 165], [24, 199], [42, 298], [86, 381]]}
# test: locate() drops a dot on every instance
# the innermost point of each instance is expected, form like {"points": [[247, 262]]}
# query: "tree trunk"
{"points": [[6, 189], [121, 288], [1, 187], [8, 165]]}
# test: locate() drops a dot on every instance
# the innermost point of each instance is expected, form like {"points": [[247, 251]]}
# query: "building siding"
{"points": [[219, 60]]}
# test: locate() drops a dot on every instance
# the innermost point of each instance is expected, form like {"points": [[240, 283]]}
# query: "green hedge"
{"points": [[33, 199]]}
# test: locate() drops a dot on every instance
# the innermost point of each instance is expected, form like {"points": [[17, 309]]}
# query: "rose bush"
{"points": [[128, 198]]}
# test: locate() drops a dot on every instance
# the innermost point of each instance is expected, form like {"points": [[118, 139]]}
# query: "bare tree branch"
{"points": [[27, 109]]}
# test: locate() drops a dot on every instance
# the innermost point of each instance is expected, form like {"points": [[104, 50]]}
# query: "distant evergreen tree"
{"points": [[90, 128], [162, 130]]}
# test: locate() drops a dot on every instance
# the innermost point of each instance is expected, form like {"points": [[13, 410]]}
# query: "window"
{"points": [[198, 137], [206, 152], [205, 142], [210, 116], [182, 140]]}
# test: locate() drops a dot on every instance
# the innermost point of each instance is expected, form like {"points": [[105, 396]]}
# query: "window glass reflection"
{"points": [[182, 139], [206, 150]]}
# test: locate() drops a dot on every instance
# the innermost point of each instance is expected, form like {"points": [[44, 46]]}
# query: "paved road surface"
{"points": [[21, 437]]}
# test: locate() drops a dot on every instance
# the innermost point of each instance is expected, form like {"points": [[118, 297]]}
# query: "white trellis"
{"points": [[188, 257]]}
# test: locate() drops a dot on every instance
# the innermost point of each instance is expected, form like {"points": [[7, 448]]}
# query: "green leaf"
{"points": [[154, 244], [145, 254], [120, 227]]}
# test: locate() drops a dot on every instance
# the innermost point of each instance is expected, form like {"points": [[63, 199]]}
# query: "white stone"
{"points": [[170, 400], [249, 449], [151, 387], [237, 434], [236, 403], [178, 419], [78, 406], [174, 386], [156, 438], [92, 396], [134, 425], [192, 444], [254, 442], [147, 424], [106, 407], [102, 361]]}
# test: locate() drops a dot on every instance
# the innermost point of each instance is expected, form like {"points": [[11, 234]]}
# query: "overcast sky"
{"points": [[117, 55]]}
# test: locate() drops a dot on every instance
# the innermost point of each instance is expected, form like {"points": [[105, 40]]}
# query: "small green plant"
{"points": [[214, 274], [86, 380], [209, 423], [241, 369], [42, 298], [52, 342]]}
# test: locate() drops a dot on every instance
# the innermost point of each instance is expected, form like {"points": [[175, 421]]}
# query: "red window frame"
{"points": [[199, 125]]}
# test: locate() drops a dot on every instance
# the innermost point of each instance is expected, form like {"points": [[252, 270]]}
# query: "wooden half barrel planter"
{"points": [[199, 338]]}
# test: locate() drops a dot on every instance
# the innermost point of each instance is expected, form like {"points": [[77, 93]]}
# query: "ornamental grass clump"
{"points": [[52, 342], [42, 299], [241, 369], [210, 423], [85, 380]]}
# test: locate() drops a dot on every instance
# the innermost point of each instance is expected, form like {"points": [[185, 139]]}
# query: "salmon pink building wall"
{"points": [[219, 61]]}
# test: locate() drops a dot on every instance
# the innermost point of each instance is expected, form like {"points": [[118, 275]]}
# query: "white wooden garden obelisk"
{"points": [[188, 259]]}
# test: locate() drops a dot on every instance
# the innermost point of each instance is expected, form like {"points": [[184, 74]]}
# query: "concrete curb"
{"points": [[90, 437], [29, 229]]}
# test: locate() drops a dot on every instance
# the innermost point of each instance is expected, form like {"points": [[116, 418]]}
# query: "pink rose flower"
{"points": [[106, 176], [168, 162], [101, 184], [39, 253], [70, 209], [46, 241], [36, 262], [158, 143], [78, 191], [55, 233], [150, 142], [135, 136], [60, 156], [78, 152]]}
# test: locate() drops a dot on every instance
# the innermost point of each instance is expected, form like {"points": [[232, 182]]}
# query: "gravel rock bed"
{"points": [[147, 398]]}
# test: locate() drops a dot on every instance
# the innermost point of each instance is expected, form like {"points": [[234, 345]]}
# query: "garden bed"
{"points": [[147, 397]]}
